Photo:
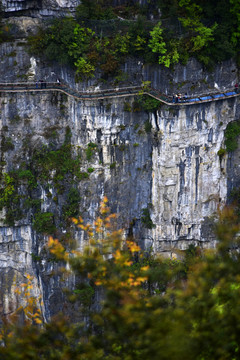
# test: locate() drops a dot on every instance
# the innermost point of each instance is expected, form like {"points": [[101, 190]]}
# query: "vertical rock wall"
{"points": [[189, 180], [39, 8], [173, 171], [119, 167]]}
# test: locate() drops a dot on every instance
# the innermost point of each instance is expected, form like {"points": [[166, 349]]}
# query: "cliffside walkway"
{"points": [[117, 92]]}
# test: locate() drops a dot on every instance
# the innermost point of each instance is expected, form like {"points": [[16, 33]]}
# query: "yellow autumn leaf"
{"points": [[142, 278], [75, 221], [145, 268], [38, 321], [98, 282], [133, 247], [128, 263], [105, 199], [117, 255]]}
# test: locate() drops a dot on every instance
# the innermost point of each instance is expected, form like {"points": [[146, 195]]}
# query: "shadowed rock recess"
{"points": [[161, 171]]}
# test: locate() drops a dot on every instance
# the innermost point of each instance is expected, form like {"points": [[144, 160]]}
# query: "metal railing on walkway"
{"points": [[116, 92]]}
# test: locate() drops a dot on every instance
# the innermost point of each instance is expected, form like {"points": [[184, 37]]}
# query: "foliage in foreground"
{"points": [[150, 309]]}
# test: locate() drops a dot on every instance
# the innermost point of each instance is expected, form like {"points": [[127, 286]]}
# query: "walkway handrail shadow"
{"points": [[116, 92]]}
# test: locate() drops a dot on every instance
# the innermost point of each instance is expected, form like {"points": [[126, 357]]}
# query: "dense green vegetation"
{"points": [[231, 135], [4, 29], [97, 38], [53, 170], [95, 10], [209, 30], [44, 223], [146, 219], [79, 46], [151, 308]]}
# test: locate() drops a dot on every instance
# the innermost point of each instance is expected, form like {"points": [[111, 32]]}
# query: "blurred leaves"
{"points": [[147, 307]]}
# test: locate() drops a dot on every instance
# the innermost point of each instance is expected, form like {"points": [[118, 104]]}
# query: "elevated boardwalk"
{"points": [[117, 92]]}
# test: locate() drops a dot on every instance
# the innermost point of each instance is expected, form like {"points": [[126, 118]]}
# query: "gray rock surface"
{"points": [[175, 167], [39, 8], [49, 7], [173, 170]]}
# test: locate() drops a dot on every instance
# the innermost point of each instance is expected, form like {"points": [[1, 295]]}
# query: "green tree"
{"points": [[44, 223], [95, 10], [10, 199], [81, 42], [231, 134], [7, 190], [235, 17], [56, 40], [122, 43], [200, 35], [84, 69], [167, 54], [156, 42]]}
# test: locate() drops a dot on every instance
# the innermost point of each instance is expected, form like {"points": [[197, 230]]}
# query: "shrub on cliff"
{"points": [[44, 223], [231, 134], [96, 10]]}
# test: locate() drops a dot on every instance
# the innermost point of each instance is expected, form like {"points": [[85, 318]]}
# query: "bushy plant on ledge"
{"points": [[44, 223], [146, 219], [231, 134]]}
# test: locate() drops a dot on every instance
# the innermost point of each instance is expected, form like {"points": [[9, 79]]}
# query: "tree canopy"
{"points": [[150, 307], [99, 37]]}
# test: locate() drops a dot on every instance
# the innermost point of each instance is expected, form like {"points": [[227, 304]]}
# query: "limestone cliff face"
{"points": [[189, 180], [172, 169], [121, 165], [48, 8], [175, 167], [39, 8]]}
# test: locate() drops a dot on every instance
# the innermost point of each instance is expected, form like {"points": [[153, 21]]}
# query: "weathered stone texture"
{"points": [[189, 182], [39, 8], [174, 167]]}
